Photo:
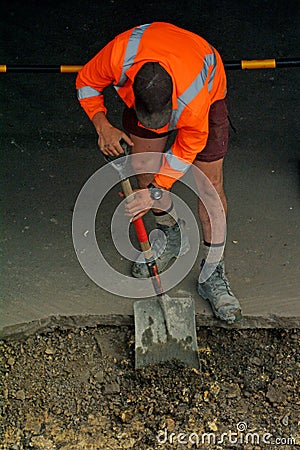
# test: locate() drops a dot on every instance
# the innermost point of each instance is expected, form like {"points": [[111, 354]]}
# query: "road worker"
{"points": [[169, 79]]}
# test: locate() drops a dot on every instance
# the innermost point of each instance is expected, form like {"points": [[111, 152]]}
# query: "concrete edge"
{"points": [[23, 330]]}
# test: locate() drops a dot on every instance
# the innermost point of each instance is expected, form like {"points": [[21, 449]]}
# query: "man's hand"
{"points": [[139, 203], [109, 136]]}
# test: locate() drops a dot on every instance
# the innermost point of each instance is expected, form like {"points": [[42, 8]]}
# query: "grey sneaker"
{"points": [[170, 243], [217, 291]]}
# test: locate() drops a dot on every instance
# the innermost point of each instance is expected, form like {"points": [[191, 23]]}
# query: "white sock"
{"points": [[213, 253]]}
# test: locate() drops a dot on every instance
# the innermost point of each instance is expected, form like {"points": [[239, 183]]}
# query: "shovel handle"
{"points": [[126, 188], [141, 233], [144, 242], [138, 223], [142, 237]]}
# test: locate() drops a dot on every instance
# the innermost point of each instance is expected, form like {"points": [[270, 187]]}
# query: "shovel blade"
{"points": [[165, 330]]}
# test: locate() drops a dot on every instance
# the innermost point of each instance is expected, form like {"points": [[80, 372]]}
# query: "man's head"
{"points": [[153, 95]]}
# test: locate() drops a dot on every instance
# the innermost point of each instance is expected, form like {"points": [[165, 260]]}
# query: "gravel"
{"points": [[77, 389]]}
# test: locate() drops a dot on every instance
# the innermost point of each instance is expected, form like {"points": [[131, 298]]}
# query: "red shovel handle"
{"points": [[140, 230], [144, 242], [138, 223]]}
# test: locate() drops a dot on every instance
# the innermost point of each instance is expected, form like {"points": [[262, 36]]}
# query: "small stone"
{"points": [[277, 392], [111, 388], [49, 351], [42, 443], [10, 361], [231, 390], [20, 395], [285, 420], [32, 423], [128, 443], [99, 376], [214, 389], [247, 394], [205, 396], [170, 423], [126, 416], [256, 361], [212, 426], [92, 419]]}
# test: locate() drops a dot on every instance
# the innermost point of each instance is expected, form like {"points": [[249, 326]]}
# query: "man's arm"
{"points": [[91, 81], [109, 137]]}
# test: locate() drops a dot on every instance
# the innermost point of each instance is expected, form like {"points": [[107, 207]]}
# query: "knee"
{"points": [[138, 163], [145, 163], [211, 186]]}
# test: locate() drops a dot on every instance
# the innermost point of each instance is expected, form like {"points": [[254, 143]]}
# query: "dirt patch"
{"points": [[77, 389]]}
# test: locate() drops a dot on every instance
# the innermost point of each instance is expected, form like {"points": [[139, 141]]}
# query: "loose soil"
{"points": [[78, 389]]}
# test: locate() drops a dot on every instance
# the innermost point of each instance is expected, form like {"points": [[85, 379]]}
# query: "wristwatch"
{"points": [[155, 192]]}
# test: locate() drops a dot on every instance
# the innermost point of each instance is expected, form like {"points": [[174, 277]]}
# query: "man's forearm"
{"points": [[100, 121]]}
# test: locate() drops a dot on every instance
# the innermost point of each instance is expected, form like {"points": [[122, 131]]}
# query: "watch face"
{"points": [[156, 193]]}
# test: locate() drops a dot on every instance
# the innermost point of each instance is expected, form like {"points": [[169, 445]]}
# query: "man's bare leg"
{"points": [[216, 287], [217, 205], [146, 166]]}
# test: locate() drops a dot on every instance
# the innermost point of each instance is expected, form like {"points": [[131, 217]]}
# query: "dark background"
{"points": [[49, 150]]}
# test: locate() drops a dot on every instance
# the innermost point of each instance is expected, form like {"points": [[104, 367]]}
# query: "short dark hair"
{"points": [[153, 89]]}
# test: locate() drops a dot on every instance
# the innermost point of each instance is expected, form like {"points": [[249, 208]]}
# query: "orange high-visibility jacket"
{"points": [[198, 77]]}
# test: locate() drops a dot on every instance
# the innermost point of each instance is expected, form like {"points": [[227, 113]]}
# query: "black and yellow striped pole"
{"points": [[229, 65], [39, 68], [263, 63]]}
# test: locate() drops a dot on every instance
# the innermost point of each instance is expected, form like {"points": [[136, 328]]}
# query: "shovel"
{"points": [[165, 327]]}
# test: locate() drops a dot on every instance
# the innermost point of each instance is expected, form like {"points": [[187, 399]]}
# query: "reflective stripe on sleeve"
{"points": [[87, 92], [131, 51], [176, 163]]}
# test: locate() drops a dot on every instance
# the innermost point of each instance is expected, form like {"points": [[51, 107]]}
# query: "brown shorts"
{"points": [[218, 131], [217, 141]]}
